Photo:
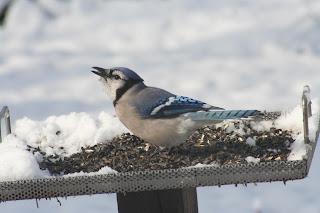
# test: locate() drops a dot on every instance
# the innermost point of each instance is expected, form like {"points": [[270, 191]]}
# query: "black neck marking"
{"points": [[129, 83]]}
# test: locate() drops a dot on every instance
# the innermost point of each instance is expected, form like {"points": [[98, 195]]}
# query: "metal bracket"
{"points": [[306, 112], [5, 113]]}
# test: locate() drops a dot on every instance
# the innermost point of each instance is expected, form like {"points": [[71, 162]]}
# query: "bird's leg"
{"points": [[170, 149], [157, 151]]}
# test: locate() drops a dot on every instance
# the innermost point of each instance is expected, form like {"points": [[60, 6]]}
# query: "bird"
{"points": [[156, 115]]}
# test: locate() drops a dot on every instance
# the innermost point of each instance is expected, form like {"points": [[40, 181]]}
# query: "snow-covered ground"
{"points": [[234, 54]]}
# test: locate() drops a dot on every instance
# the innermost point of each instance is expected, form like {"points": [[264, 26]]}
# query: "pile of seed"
{"points": [[209, 145]]}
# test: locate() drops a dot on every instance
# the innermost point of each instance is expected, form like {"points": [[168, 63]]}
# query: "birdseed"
{"points": [[209, 145]]}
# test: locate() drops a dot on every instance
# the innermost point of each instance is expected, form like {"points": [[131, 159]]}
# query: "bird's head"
{"points": [[116, 81]]}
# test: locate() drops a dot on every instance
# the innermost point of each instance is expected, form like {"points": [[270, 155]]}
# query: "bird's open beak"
{"points": [[101, 72]]}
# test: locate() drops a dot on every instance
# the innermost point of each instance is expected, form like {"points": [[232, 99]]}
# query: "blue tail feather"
{"points": [[224, 114]]}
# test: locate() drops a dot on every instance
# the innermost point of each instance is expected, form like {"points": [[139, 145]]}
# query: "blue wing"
{"points": [[177, 105]]}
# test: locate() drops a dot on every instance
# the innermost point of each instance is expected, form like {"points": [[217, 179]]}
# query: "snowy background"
{"points": [[233, 54]]}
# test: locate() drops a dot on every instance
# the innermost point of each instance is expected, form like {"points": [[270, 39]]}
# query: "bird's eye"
{"points": [[117, 77]]}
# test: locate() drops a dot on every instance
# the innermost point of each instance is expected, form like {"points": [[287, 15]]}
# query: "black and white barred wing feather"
{"points": [[220, 115], [176, 105]]}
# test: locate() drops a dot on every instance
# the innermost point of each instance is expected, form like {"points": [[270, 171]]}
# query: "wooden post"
{"points": [[159, 201]]}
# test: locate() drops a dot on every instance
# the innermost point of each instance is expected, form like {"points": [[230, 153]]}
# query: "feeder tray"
{"points": [[164, 179]]}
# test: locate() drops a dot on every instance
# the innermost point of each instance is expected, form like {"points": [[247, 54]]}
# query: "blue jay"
{"points": [[155, 115]]}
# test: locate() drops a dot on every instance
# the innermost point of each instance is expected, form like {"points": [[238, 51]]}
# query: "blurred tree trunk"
{"points": [[4, 8]]}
